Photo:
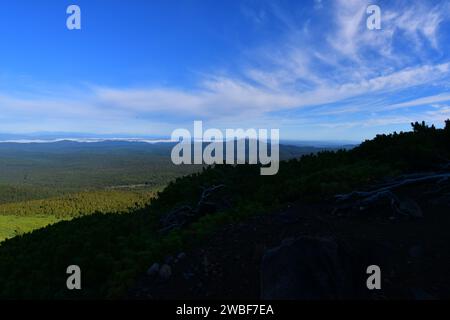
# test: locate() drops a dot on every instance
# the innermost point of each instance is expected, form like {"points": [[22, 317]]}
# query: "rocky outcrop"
{"points": [[184, 215]]}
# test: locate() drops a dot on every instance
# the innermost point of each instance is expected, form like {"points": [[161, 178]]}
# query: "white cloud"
{"points": [[430, 101], [221, 97], [308, 66], [318, 4]]}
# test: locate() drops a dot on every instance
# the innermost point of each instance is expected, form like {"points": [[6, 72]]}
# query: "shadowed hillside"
{"points": [[115, 251]]}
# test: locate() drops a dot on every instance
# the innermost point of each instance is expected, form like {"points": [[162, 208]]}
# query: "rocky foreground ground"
{"points": [[322, 250]]}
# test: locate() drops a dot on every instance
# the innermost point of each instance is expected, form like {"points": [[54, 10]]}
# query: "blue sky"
{"points": [[310, 68]]}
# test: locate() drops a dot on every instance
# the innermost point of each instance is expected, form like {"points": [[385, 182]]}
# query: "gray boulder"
{"points": [[165, 272], [153, 270]]}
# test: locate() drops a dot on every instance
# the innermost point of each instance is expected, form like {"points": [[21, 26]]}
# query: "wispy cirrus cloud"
{"points": [[325, 66]]}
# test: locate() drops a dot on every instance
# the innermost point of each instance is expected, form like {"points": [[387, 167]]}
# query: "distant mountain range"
{"points": [[52, 137], [47, 137]]}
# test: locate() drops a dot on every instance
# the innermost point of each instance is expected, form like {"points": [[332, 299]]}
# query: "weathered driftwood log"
{"points": [[175, 218], [355, 195], [400, 206], [207, 192]]}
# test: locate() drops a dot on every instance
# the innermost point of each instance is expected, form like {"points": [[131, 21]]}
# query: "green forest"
{"points": [[21, 217], [113, 249], [41, 184]]}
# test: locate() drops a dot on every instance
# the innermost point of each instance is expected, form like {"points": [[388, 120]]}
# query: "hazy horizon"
{"points": [[44, 137]]}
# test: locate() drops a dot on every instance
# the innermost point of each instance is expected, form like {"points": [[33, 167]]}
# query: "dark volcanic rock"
{"points": [[165, 272], [307, 269], [420, 294], [154, 269], [408, 207]]}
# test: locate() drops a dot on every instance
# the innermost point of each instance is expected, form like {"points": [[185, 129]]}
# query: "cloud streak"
{"points": [[314, 68]]}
